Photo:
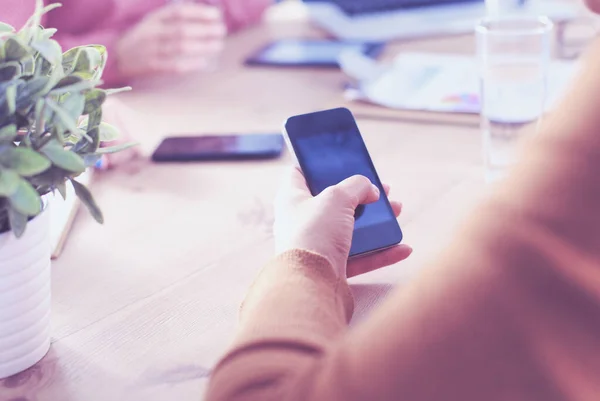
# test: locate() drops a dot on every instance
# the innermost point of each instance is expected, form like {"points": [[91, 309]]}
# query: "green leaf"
{"points": [[17, 221], [49, 178], [40, 107], [62, 189], [94, 100], [66, 119], [73, 104], [56, 74], [29, 29], [29, 93], [11, 98], [84, 64], [69, 59], [49, 49], [85, 61], [58, 133], [63, 158], [73, 83], [117, 90], [47, 33], [44, 67], [5, 28], [24, 161], [9, 181], [103, 58], [94, 119], [9, 70], [8, 133], [89, 146], [68, 81], [86, 198], [108, 132], [116, 148], [28, 66], [15, 50], [25, 199]]}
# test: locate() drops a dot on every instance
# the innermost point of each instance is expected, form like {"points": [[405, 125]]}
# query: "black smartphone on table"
{"points": [[309, 52], [329, 148], [219, 147]]}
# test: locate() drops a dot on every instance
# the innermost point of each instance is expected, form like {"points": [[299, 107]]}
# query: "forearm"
{"points": [[294, 312]]}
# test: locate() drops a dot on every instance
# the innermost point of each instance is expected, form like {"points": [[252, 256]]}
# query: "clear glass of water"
{"points": [[514, 57]]}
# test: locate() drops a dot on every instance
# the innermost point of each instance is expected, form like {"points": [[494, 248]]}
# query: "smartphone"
{"points": [[329, 148], [309, 52], [219, 147]]}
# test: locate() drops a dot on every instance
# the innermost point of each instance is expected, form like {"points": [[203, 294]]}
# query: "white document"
{"points": [[432, 82]]}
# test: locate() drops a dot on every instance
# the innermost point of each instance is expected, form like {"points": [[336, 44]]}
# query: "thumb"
{"points": [[354, 191]]}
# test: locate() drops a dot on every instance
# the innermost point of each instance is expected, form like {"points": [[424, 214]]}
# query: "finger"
{"points": [[191, 64], [190, 49], [181, 65], [189, 12], [353, 191], [386, 189], [378, 260], [396, 207], [192, 31]]}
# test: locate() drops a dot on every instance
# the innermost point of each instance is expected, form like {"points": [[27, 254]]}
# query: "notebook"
{"points": [[63, 212]]}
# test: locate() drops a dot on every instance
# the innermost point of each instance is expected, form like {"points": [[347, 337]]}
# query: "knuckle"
{"points": [[360, 180], [178, 13], [220, 30], [334, 193], [179, 32], [154, 64], [181, 66]]}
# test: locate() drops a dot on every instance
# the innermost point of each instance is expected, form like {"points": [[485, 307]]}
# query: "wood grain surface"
{"points": [[145, 305]]}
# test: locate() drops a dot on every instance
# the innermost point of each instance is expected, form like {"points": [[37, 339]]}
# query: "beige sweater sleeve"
{"points": [[511, 311]]}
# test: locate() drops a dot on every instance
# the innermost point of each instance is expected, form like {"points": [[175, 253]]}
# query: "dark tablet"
{"points": [[309, 52]]}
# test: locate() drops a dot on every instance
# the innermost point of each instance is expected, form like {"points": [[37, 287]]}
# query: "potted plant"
{"points": [[51, 130]]}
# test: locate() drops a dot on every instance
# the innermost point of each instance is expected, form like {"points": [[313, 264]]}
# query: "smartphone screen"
{"points": [[219, 147], [329, 149]]}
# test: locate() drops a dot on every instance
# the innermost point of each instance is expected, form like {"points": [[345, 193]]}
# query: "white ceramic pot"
{"points": [[25, 296]]}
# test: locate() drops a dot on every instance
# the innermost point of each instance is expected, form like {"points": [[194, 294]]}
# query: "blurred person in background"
{"points": [[144, 37]]}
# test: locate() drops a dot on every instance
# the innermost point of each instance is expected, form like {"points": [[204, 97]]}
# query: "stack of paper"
{"points": [[431, 82]]}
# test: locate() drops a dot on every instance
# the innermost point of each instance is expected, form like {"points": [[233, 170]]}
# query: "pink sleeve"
{"points": [[241, 13], [16, 12]]}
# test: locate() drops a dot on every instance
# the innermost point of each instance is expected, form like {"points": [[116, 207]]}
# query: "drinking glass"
{"points": [[514, 57]]}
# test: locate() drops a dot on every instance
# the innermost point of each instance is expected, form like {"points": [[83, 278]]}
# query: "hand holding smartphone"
{"points": [[329, 148]]}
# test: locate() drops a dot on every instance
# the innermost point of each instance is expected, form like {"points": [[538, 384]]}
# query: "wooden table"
{"points": [[146, 304]]}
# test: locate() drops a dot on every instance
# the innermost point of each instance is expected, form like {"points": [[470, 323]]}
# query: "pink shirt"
{"points": [[103, 22]]}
